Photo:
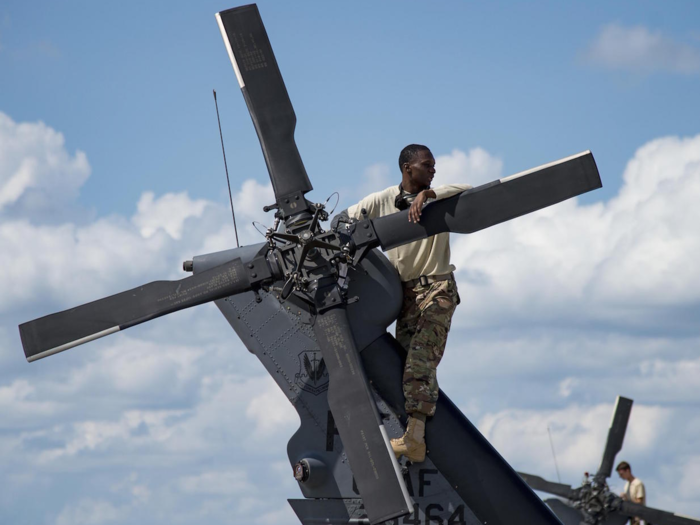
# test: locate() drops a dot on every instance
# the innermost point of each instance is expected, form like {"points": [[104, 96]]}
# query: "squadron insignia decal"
{"points": [[313, 375]]}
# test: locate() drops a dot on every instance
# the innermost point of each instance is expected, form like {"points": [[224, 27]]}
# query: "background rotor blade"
{"points": [[615, 518], [364, 438], [495, 202], [266, 96], [63, 330], [476, 471], [655, 516], [567, 515], [616, 435], [538, 483]]}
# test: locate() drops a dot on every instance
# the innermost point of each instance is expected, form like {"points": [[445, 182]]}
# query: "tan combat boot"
{"points": [[412, 443]]}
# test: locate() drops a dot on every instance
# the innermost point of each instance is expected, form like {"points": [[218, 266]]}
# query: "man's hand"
{"points": [[414, 212]]}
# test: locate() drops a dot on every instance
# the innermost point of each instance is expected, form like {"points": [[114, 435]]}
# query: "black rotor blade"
{"points": [[614, 518], [541, 484], [474, 469], [495, 202], [568, 515], [655, 516], [266, 96], [63, 330], [616, 435], [364, 437]]}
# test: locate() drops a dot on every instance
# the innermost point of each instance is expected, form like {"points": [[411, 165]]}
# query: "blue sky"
{"points": [[111, 174]]}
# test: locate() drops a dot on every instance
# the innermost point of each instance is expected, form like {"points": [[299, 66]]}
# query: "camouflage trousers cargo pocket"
{"points": [[422, 328]]}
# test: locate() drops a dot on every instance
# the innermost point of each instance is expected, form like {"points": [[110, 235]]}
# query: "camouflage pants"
{"points": [[422, 329]]}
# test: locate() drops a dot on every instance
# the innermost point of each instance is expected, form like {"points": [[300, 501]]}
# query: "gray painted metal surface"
{"points": [[280, 334]]}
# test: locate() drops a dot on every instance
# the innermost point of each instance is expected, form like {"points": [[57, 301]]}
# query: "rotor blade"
{"points": [[364, 437], [616, 435], [495, 202], [266, 96], [541, 484], [473, 468], [614, 518], [63, 330], [568, 515], [655, 516]]}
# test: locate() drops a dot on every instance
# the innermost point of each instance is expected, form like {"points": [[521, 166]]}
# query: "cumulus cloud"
{"points": [[475, 167], [168, 212], [227, 483], [37, 174], [89, 512], [376, 177], [628, 262], [639, 49], [270, 410], [578, 433], [174, 422]]}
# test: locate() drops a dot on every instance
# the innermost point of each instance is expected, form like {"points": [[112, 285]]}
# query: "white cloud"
{"points": [[227, 483], [89, 512], [184, 426], [376, 177], [168, 212], [18, 401], [475, 167], [621, 263], [70, 264], [639, 49], [36, 172], [270, 410], [578, 434]]}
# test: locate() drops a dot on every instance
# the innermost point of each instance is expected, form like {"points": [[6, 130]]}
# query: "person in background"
{"points": [[634, 490]]}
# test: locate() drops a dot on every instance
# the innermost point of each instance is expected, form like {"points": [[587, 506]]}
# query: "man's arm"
{"points": [[441, 192]]}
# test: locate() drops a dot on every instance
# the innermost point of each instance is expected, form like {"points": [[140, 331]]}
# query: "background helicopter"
{"points": [[301, 293], [593, 502]]}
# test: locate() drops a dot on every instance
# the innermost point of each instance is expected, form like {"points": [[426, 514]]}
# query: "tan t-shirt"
{"points": [[429, 256], [635, 491]]}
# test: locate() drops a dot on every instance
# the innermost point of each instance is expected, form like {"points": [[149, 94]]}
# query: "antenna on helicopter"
{"points": [[233, 214], [551, 443]]}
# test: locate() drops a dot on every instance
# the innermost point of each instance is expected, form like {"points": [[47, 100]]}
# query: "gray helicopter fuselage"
{"points": [[280, 334]]}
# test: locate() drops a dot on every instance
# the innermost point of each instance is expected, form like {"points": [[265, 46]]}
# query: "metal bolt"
{"points": [[253, 275]]}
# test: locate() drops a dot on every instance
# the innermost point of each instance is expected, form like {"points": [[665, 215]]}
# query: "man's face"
{"points": [[624, 474], [422, 169]]}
